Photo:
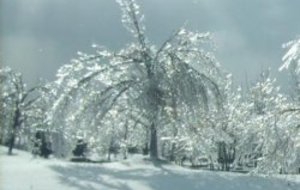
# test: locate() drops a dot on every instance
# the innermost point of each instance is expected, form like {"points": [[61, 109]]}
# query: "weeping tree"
{"points": [[158, 86]]}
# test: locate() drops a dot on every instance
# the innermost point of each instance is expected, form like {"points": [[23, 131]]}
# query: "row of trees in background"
{"points": [[174, 101]]}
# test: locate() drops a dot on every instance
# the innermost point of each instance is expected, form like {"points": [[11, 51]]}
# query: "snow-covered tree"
{"points": [[291, 62], [141, 83], [268, 133], [16, 101], [266, 102], [229, 127]]}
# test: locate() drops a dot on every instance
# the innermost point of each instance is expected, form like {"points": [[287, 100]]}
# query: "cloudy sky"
{"points": [[38, 36]]}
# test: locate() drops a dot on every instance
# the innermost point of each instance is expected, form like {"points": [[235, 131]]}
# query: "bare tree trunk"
{"points": [[175, 133], [125, 151], [153, 142], [172, 154], [14, 130], [11, 143], [108, 156]]}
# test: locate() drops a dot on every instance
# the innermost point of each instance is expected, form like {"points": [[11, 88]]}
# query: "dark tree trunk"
{"points": [[11, 143], [175, 133], [14, 130], [226, 155], [125, 140], [153, 142], [172, 154]]}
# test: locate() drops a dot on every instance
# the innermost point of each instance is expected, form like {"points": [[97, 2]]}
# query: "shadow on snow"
{"points": [[159, 177]]}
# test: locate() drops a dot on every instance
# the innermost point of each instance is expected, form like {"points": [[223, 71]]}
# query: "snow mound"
{"points": [[23, 172]]}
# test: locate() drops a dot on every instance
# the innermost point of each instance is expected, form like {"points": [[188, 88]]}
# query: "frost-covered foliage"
{"points": [[229, 129], [103, 95], [264, 134], [292, 56], [291, 62], [255, 132], [265, 104]]}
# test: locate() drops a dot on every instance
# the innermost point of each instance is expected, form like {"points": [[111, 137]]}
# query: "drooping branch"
{"points": [[290, 110], [132, 13], [204, 79], [166, 43], [106, 94], [113, 101], [83, 81]]}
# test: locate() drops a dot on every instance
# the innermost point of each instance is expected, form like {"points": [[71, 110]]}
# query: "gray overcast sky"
{"points": [[38, 36]]}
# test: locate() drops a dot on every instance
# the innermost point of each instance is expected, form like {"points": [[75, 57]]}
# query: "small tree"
{"points": [[16, 101]]}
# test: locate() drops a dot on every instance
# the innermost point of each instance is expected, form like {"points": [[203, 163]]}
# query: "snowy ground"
{"points": [[23, 172]]}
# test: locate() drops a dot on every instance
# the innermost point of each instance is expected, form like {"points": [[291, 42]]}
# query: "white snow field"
{"points": [[23, 172]]}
